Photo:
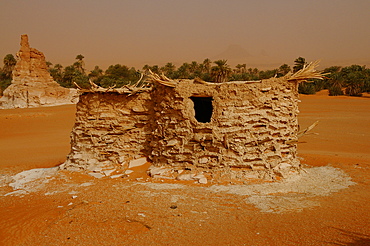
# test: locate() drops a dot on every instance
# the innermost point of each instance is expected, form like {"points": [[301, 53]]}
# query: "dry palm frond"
{"points": [[93, 85], [198, 80], [110, 87], [302, 133], [138, 82], [307, 72], [123, 90], [77, 86], [161, 79]]}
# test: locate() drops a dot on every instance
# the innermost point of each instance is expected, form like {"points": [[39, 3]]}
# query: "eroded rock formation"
{"points": [[32, 84]]}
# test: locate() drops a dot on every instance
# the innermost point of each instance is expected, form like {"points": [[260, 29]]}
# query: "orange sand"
{"points": [[108, 214], [35, 137]]}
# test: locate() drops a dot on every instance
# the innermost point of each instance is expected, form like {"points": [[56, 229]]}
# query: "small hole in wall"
{"points": [[203, 108]]}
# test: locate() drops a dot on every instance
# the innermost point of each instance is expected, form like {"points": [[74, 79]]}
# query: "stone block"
{"points": [[137, 162]]}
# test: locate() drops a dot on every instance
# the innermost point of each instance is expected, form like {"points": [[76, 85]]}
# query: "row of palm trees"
{"points": [[117, 75], [216, 71], [352, 80]]}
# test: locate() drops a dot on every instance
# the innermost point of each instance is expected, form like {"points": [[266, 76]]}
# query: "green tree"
{"points": [[241, 77], [96, 74], [80, 64], [119, 75], [169, 69], [306, 88], [283, 70], [299, 63], [335, 88], [183, 72], [240, 68], [334, 80], [57, 73], [9, 64], [73, 75], [267, 74], [221, 71], [355, 79], [206, 65], [6, 72], [154, 69], [193, 67]]}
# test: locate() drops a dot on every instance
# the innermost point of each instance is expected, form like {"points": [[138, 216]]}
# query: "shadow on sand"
{"points": [[354, 238]]}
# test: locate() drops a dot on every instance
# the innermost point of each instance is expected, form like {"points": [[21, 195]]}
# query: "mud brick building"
{"points": [[189, 124]]}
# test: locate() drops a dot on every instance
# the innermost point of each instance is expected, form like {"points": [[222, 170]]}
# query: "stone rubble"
{"points": [[137, 162]]}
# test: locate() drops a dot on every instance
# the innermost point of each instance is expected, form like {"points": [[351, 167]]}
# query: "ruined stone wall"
{"points": [[250, 126], [110, 130]]}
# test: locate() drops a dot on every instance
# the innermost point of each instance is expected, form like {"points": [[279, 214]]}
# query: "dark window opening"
{"points": [[203, 108]]}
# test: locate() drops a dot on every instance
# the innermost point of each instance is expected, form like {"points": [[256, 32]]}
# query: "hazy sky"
{"points": [[137, 32]]}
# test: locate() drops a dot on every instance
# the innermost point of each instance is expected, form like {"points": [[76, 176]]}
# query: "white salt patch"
{"points": [[293, 193], [22, 179]]}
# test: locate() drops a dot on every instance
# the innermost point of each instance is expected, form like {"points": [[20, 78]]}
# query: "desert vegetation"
{"points": [[6, 72], [350, 80]]}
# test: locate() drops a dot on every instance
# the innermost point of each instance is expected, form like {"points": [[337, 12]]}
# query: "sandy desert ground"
{"points": [[328, 205]]}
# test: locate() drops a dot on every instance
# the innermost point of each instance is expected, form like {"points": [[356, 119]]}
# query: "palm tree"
{"points": [[207, 65], [58, 67], [299, 63], [146, 67], [284, 69], [168, 69], [335, 84], [95, 74], [57, 73], [80, 64], [355, 78], [9, 63], [193, 66], [221, 71], [244, 68], [184, 71], [80, 57], [239, 68]]}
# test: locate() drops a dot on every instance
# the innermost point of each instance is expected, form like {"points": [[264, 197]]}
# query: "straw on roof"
{"points": [[307, 72]]}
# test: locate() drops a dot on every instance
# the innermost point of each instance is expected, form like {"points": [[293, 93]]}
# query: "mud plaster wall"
{"points": [[110, 130], [250, 126]]}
